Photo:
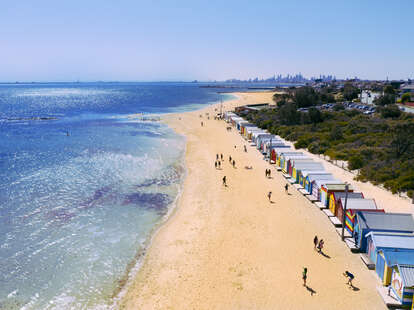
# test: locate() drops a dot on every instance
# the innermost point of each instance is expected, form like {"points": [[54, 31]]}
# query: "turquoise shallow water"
{"points": [[82, 186]]}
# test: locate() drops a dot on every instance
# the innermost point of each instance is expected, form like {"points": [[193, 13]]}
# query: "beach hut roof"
{"points": [[323, 182], [319, 177], [306, 172], [407, 274], [389, 240], [398, 257], [308, 165], [293, 156], [339, 195], [386, 221], [358, 203], [336, 186]]}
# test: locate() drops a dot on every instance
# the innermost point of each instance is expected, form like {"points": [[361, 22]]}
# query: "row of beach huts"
{"points": [[384, 240]]}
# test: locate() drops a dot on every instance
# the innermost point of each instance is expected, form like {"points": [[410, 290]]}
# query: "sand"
{"points": [[230, 248]]}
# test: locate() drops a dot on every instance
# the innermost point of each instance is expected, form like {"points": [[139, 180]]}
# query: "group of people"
{"points": [[318, 245], [268, 173], [218, 161]]}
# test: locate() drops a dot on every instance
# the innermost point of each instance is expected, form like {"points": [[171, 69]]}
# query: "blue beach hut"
{"points": [[367, 221]]}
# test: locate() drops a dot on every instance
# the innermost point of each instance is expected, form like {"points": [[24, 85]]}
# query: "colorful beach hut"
{"points": [[335, 199], [311, 178], [353, 206], [402, 281], [275, 149], [305, 172], [287, 160], [329, 188], [258, 134], [367, 221], [377, 241], [308, 166]]}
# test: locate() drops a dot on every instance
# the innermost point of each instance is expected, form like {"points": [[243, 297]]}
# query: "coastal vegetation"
{"points": [[379, 146]]}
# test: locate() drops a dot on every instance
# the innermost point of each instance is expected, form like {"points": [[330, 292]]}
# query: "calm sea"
{"points": [[82, 186]]}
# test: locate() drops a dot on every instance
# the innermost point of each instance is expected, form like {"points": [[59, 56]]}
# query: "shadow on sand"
{"points": [[311, 290]]}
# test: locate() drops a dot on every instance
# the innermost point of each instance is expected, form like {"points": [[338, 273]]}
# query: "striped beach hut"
{"points": [[353, 206], [261, 141], [244, 127], [335, 199], [239, 122], [367, 221], [269, 144], [305, 172], [329, 188], [249, 132]]}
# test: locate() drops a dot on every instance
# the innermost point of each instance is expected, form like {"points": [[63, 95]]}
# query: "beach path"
{"points": [[230, 248]]}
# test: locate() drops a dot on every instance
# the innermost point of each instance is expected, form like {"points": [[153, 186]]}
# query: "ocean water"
{"points": [[82, 186]]}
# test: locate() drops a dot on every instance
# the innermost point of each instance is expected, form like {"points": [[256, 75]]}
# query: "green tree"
{"points": [[389, 90], [315, 116], [406, 97], [305, 97], [385, 100], [390, 111], [289, 115], [350, 92], [402, 139]]}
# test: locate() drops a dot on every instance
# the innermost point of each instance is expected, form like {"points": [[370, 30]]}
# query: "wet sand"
{"points": [[230, 248]]}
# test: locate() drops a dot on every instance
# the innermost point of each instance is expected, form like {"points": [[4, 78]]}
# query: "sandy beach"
{"points": [[230, 248]]}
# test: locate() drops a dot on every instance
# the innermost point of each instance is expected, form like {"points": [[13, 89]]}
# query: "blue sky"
{"points": [[205, 40]]}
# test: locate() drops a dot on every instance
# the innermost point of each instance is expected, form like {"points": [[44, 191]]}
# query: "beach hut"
{"points": [[305, 172], [292, 162], [353, 206], [280, 152], [235, 119], [335, 197], [239, 122], [377, 241], [261, 141], [269, 144], [256, 135], [311, 178], [305, 165], [329, 188], [402, 282], [287, 160], [244, 127], [275, 149], [388, 258], [367, 221], [249, 131], [317, 185]]}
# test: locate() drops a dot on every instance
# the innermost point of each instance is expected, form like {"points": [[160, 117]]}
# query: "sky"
{"points": [[156, 40]]}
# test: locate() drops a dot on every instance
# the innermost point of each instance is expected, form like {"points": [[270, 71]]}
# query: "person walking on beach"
{"points": [[269, 195], [286, 188], [224, 181], [245, 149], [269, 173], [219, 164], [266, 173], [215, 164], [320, 245], [230, 159], [315, 242], [350, 277], [217, 157], [304, 275], [234, 163], [221, 155], [201, 124]]}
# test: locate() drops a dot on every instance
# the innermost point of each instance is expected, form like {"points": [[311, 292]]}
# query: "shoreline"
{"points": [[221, 248]]}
